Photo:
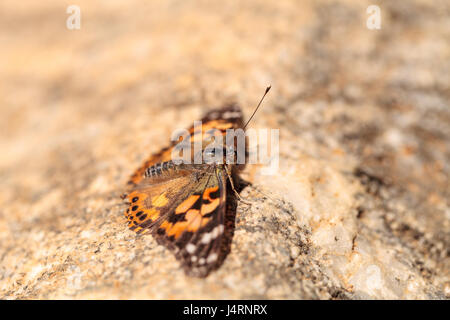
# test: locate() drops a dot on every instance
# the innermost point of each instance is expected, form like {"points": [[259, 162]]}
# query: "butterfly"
{"points": [[183, 205]]}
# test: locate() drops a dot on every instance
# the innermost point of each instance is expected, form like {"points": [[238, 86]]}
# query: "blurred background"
{"points": [[80, 109]]}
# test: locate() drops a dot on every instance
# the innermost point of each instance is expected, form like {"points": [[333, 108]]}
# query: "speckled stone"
{"points": [[358, 209]]}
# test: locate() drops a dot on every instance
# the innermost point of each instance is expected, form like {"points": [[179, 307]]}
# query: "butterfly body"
{"points": [[183, 204]]}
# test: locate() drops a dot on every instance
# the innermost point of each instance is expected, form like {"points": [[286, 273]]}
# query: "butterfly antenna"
{"points": [[260, 101]]}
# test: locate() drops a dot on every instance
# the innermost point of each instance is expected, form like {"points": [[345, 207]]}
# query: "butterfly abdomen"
{"points": [[159, 168]]}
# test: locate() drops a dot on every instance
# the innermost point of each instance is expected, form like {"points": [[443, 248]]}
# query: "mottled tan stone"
{"points": [[359, 208]]}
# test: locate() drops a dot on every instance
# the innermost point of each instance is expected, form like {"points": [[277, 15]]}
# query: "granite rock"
{"points": [[358, 208]]}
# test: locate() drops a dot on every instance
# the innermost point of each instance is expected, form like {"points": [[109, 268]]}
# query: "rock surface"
{"points": [[358, 209]]}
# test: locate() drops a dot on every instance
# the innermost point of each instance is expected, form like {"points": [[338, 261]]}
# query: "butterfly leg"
{"points": [[228, 172]]}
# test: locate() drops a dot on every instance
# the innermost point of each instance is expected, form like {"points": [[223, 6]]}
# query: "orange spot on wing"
{"points": [[160, 201], [194, 221], [153, 214], [222, 126], [214, 202], [208, 191], [210, 207], [175, 229], [186, 204]]}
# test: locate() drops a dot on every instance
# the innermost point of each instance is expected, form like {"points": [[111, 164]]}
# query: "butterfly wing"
{"points": [[196, 230], [188, 220], [153, 197]]}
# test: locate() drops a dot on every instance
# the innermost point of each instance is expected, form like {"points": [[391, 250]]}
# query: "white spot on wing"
{"points": [[231, 114], [190, 248], [206, 238], [211, 258], [217, 231]]}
